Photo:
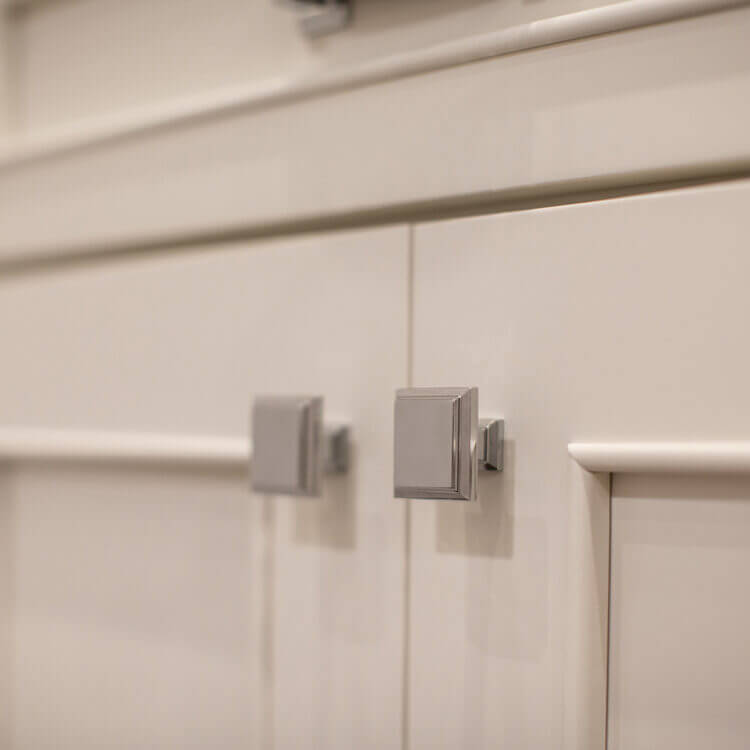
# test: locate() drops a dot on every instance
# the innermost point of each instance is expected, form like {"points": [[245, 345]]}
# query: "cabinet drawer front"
{"points": [[614, 320], [149, 52], [171, 607], [569, 119]]}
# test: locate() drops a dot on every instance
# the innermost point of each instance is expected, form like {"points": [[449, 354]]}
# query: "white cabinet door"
{"points": [[164, 608], [613, 320]]}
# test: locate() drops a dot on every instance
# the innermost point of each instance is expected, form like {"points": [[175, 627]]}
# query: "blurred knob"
{"points": [[291, 447]]}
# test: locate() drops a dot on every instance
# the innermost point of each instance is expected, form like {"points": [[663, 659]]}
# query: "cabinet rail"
{"points": [[87, 446], [714, 457]]}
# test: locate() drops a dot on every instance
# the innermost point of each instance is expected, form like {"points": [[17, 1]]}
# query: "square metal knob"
{"points": [[292, 448], [287, 432], [435, 441]]}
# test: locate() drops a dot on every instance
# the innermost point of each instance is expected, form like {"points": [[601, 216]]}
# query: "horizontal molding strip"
{"points": [[663, 458], [43, 445], [621, 16]]}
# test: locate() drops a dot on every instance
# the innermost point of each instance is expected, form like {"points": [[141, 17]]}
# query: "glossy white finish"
{"points": [[680, 616], [618, 320], [566, 116], [677, 458], [170, 607]]}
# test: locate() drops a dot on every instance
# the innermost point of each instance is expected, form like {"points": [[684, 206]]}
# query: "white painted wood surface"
{"points": [[167, 607], [615, 320], [20, 444], [680, 616], [565, 116], [162, 607], [283, 87], [149, 51], [718, 457]]}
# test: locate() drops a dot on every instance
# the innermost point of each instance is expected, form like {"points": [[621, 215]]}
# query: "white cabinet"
{"points": [[166, 608], [612, 320], [172, 608]]}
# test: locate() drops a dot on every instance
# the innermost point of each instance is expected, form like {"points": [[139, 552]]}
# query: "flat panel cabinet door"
{"points": [[680, 617], [170, 607], [614, 320]]}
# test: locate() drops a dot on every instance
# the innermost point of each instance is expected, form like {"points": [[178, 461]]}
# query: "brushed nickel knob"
{"points": [[439, 443], [292, 448]]}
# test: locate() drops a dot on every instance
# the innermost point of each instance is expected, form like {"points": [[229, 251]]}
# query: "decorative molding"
{"points": [[620, 16], [71, 446], [663, 458]]}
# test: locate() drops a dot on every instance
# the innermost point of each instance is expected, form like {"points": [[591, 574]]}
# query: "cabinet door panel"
{"points": [[170, 608], [612, 320], [680, 616]]}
